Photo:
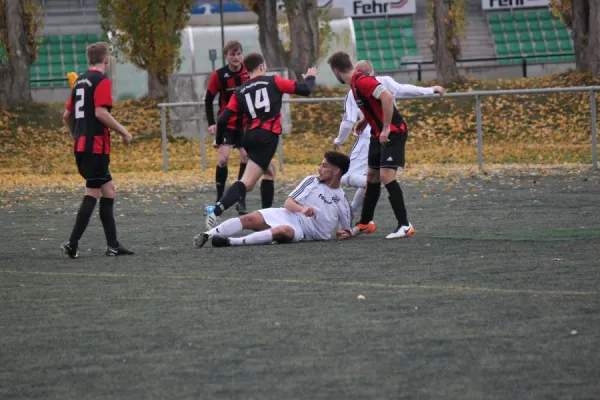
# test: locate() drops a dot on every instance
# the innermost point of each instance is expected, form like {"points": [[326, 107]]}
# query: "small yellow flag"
{"points": [[72, 76]]}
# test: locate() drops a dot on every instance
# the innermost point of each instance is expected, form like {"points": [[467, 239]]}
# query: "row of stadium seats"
{"points": [[537, 35], [385, 41], [58, 55]]}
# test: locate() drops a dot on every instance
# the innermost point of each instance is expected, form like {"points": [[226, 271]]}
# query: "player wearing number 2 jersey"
{"points": [[259, 100], [88, 117]]}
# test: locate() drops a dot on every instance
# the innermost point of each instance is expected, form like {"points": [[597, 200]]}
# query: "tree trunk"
{"points": [[593, 45], [15, 89], [304, 34], [157, 88], [445, 63], [581, 21], [268, 35]]}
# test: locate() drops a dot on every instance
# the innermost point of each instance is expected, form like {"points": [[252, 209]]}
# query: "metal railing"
{"points": [[477, 94], [525, 61]]}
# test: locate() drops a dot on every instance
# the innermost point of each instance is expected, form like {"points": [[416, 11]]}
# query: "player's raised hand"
{"points": [[127, 138], [311, 72], [309, 212], [439, 90]]}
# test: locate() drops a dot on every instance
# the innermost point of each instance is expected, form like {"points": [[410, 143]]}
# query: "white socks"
{"points": [[357, 202], [261, 237], [227, 228]]}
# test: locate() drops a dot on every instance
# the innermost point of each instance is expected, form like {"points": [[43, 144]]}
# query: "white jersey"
{"points": [[330, 205], [352, 112]]}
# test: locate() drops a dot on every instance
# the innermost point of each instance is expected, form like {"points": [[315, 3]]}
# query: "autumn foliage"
{"points": [[517, 129]]}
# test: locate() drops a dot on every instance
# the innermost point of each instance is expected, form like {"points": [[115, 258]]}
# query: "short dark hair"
{"points": [[97, 52], [339, 160], [252, 61], [340, 61], [232, 45]]}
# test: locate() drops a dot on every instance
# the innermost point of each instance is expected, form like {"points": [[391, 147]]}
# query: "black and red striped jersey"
{"points": [[260, 99], [363, 88], [223, 83], [91, 90]]}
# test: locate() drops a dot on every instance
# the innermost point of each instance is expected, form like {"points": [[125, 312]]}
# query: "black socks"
{"points": [[83, 218], [267, 193]]}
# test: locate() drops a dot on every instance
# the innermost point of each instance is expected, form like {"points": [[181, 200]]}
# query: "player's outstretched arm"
{"points": [[111, 123], [293, 87], [406, 90]]}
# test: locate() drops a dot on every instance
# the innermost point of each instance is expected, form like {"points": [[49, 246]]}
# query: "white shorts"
{"points": [[359, 156], [275, 217]]}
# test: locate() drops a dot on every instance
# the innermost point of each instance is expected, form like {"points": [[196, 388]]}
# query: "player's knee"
{"points": [[387, 175], [283, 233], [96, 193], [252, 221], [373, 176]]}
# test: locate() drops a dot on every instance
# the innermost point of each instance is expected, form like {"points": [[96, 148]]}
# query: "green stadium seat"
{"points": [[359, 34], [531, 16], [42, 57], [82, 59], [371, 35], [406, 22], [395, 33], [408, 32], [558, 24], [542, 59], [555, 58], [527, 48], [399, 53], [360, 45], [534, 26], [43, 71], [524, 36], [569, 58], [494, 18], [80, 38], [372, 45], [394, 23], [547, 25], [33, 72], [505, 18], [388, 55], [509, 27], [389, 64], [385, 45], [514, 48], [519, 17], [397, 44], [93, 38], [505, 62], [502, 50], [497, 29], [368, 25], [411, 43], [376, 64], [382, 24], [545, 15], [499, 38], [563, 34], [413, 52], [550, 35], [55, 48], [521, 26], [511, 37], [54, 40], [373, 54], [566, 46], [553, 47], [362, 55], [537, 36], [540, 47]]}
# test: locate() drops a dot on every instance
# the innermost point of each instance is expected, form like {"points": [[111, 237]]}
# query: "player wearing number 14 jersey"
{"points": [[88, 117], [259, 100]]}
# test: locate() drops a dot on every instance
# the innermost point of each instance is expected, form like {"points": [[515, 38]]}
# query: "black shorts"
{"points": [[94, 169], [389, 155], [261, 146], [232, 137]]}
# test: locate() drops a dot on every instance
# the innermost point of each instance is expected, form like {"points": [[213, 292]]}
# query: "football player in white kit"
{"points": [[312, 211], [357, 174]]}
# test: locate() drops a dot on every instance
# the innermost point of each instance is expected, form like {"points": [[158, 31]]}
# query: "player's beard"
{"points": [[340, 80]]}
